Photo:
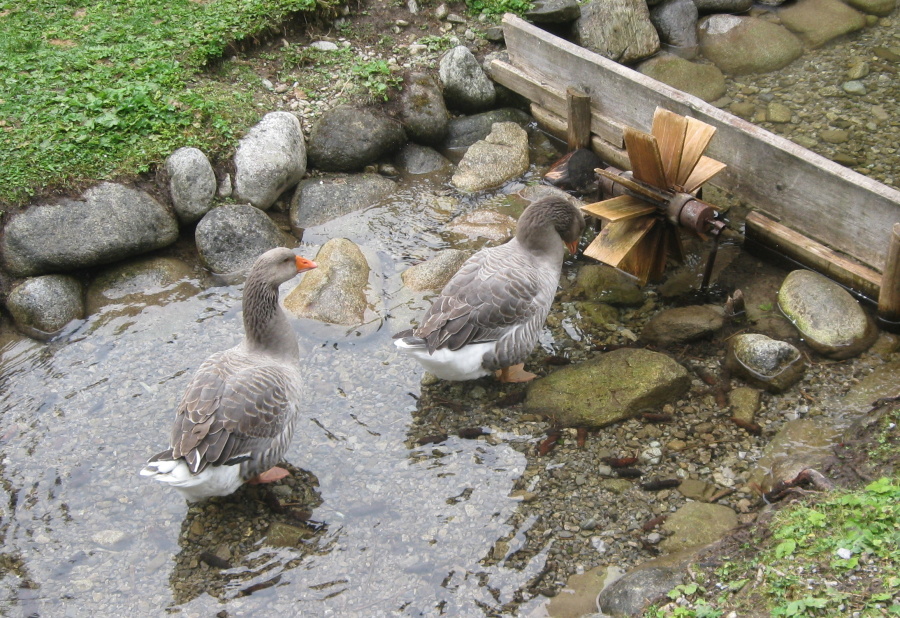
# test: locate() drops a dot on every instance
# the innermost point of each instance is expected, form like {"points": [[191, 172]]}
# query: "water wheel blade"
{"points": [[647, 259], [616, 239], [669, 130], [696, 139], [673, 244], [705, 169], [619, 208], [643, 152]]}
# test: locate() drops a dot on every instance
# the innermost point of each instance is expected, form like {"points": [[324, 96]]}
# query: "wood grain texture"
{"points": [[556, 126], [617, 239], [838, 206], [889, 294], [619, 208]]}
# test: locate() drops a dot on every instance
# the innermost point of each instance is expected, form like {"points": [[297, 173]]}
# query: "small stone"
{"points": [[854, 87]]}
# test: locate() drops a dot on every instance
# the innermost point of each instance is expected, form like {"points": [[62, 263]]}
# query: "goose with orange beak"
{"points": [[236, 418], [488, 317]]}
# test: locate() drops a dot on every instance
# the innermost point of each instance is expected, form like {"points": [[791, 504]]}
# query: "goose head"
{"points": [[279, 265], [547, 219]]}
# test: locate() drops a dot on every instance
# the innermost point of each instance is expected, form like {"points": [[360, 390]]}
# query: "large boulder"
{"points": [[110, 222], [335, 291], [347, 138], [230, 238], [466, 86], [318, 200], [676, 23], [269, 159], [764, 362], [435, 273], [499, 157], [740, 45], [818, 21], [829, 319], [466, 130], [192, 183], [612, 387], [422, 110], [681, 325], [704, 81], [42, 306], [617, 29]]}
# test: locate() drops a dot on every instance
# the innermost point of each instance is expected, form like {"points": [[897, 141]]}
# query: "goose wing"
{"points": [[494, 291], [232, 407]]}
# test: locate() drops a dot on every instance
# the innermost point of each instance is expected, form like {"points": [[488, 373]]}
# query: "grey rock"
{"points": [[335, 291], [723, 6], [318, 200], [854, 87], [434, 274], [229, 238], [415, 160], [269, 159], [882, 383], [744, 402], [682, 325], [602, 283], [761, 361], [42, 306], [612, 387], [637, 589], [323, 46], [192, 183], [466, 130], [799, 444], [882, 8], [109, 222], [705, 81], [466, 86], [422, 110], [553, 12], [347, 138], [697, 524], [141, 282], [473, 228], [828, 318], [617, 29], [778, 112], [818, 21], [676, 23], [499, 157], [739, 45]]}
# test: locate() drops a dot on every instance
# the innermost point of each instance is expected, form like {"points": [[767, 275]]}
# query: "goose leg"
{"points": [[515, 373], [269, 476]]}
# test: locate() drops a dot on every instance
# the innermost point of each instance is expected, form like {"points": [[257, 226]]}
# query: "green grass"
{"points": [[837, 556], [498, 7], [97, 89]]}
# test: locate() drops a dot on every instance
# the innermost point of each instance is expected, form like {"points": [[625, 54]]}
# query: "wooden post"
{"points": [[578, 105], [889, 295]]}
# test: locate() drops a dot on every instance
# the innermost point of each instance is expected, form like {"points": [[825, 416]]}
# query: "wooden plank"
{"points": [[643, 152], [578, 108], [889, 294], [696, 138], [669, 130], [617, 239], [836, 205], [760, 228], [556, 126], [619, 208], [552, 97], [705, 169]]}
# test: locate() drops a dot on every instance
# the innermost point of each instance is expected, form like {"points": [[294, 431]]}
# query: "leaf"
{"points": [[785, 548]]}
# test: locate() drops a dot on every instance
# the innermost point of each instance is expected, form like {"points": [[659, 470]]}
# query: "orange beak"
{"points": [[572, 246], [303, 264]]}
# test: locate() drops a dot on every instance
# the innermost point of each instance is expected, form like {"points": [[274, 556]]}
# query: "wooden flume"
{"points": [[648, 206]]}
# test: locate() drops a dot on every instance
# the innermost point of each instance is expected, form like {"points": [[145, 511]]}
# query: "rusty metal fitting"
{"points": [[691, 213]]}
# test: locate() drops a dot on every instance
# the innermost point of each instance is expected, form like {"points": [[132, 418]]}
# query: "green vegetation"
{"points": [[834, 557], [498, 7], [835, 554], [96, 89]]}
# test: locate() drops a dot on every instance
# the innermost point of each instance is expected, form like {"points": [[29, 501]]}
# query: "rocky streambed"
{"points": [[413, 496]]}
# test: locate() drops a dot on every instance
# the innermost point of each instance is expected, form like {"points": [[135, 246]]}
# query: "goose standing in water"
{"points": [[237, 416], [489, 315]]}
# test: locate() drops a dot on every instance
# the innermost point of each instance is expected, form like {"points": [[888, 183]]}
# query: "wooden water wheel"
{"points": [[652, 203]]}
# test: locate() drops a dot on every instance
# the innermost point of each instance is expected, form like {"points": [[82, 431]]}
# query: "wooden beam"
{"points": [[839, 207], [552, 98], [889, 295], [556, 126], [762, 229], [578, 108]]}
